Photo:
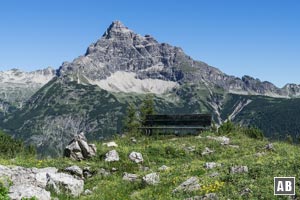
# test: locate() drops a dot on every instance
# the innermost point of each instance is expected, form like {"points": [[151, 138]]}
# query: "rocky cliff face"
{"points": [[122, 60], [17, 86]]}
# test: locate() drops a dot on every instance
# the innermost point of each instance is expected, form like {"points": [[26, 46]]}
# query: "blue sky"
{"points": [[257, 38]]}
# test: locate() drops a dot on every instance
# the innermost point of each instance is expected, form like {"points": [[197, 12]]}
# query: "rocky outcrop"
{"points": [[192, 184], [79, 149], [112, 156], [136, 157], [151, 179], [33, 182]]}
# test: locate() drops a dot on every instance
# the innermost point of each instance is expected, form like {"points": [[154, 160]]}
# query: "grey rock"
{"points": [[133, 140], [260, 154], [239, 169], [234, 146], [79, 149], [136, 157], [87, 192], [75, 170], [190, 149], [114, 169], [192, 184], [214, 174], [18, 192], [222, 139], [269, 147], [207, 151], [209, 196], [163, 168], [103, 172], [130, 177], [112, 156], [210, 165], [87, 173], [29, 182], [111, 144], [245, 191], [60, 182], [151, 179]]}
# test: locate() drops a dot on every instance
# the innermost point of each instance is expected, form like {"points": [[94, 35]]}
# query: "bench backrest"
{"points": [[179, 120]]}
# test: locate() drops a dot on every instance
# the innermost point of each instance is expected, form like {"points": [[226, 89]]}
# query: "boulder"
{"points": [[112, 156], [18, 192], [239, 169], [151, 179], [33, 182], [60, 182], [79, 149], [192, 184], [136, 157]]}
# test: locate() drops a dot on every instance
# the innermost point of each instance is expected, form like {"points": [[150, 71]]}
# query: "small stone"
{"points": [[207, 151], [209, 196], [260, 154], [87, 173], [112, 156], [144, 168], [245, 191], [136, 157], [133, 140], [239, 169], [111, 144], [163, 168], [214, 174], [234, 146], [103, 172], [224, 140], [151, 179], [210, 165], [87, 192], [114, 169], [269, 147], [130, 177], [190, 149]]}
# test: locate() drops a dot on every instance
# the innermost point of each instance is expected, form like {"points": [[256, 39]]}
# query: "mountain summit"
{"points": [[143, 63]]}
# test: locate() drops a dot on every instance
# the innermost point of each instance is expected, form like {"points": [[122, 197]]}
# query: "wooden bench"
{"points": [[177, 123]]}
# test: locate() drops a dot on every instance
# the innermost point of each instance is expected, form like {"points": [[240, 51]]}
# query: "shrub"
{"points": [[10, 147], [253, 132], [226, 127]]}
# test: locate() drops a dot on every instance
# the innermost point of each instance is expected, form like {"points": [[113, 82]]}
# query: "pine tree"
{"points": [[147, 108], [131, 122]]}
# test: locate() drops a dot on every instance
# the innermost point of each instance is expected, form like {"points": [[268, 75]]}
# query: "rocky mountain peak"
{"points": [[117, 30]]}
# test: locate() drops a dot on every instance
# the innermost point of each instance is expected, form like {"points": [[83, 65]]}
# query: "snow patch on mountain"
{"points": [[127, 82]]}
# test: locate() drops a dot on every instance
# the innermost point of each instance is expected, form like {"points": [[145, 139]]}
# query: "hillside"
{"points": [[184, 159]]}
